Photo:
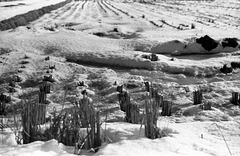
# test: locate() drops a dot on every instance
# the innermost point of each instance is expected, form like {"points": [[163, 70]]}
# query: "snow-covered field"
{"points": [[104, 41]]}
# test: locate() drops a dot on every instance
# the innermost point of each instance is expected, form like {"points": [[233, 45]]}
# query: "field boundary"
{"points": [[24, 19]]}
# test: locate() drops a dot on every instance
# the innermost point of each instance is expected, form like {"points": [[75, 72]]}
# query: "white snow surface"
{"points": [[183, 139]]}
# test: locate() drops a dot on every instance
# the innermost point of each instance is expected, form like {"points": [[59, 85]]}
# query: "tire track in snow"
{"points": [[117, 10], [193, 14], [155, 16], [66, 15], [93, 13], [84, 4], [54, 16], [109, 11], [136, 18], [137, 14], [108, 7], [79, 10], [101, 10], [85, 12], [63, 11], [50, 16], [59, 11], [158, 18]]}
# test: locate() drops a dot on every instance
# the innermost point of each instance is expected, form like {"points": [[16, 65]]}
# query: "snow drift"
{"points": [[202, 45]]}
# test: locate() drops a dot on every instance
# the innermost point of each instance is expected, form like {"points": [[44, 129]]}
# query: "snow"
{"points": [[183, 139], [38, 148], [68, 36]]}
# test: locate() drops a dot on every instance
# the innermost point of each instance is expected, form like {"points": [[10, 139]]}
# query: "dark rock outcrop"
{"points": [[229, 42], [235, 65], [225, 69], [207, 42]]}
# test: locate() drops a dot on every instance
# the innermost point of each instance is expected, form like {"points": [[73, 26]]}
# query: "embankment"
{"points": [[24, 19]]}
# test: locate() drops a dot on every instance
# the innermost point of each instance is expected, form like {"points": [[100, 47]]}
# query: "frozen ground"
{"points": [[103, 41]]}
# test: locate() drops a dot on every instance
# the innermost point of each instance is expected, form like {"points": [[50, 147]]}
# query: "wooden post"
{"points": [[197, 97], [147, 86], [41, 107], [159, 99], [207, 106], [152, 92], [45, 87], [135, 114], [3, 100], [97, 141], [239, 100], [42, 98], [128, 112], [166, 108], [128, 108], [151, 129], [124, 99], [29, 123], [2, 108], [147, 120], [235, 98]]}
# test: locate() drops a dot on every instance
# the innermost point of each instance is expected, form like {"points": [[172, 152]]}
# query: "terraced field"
{"points": [[167, 17]]}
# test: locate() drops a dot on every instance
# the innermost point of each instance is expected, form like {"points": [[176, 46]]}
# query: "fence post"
{"points": [[207, 106], [166, 108], [97, 141], [2, 108], [159, 99], [151, 130], [3, 100], [124, 99], [197, 97], [41, 111], [235, 98], [128, 112], [147, 86]]}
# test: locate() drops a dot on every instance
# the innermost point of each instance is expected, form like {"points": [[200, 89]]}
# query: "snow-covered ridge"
{"points": [[25, 18], [10, 8]]}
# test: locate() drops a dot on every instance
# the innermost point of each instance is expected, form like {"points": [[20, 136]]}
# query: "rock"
{"points": [[225, 69], [229, 42], [207, 42], [47, 58], [52, 67], [154, 57], [235, 65]]}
